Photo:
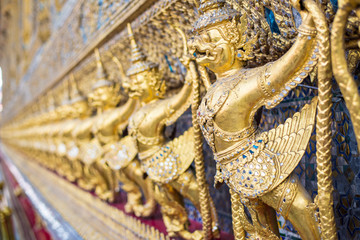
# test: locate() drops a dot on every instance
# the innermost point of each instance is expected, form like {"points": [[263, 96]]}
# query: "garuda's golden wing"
{"points": [[172, 159], [90, 151], [119, 155], [265, 161], [289, 140]]}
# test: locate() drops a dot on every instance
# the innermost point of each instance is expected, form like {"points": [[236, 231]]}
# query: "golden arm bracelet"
{"points": [[308, 31]]}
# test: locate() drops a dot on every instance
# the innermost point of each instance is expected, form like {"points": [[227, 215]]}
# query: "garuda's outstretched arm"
{"points": [[177, 104], [284, 74]]}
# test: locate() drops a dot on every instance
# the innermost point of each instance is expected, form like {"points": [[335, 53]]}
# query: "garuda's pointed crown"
{"points": [[138, 58], [75, 93], [212, 12], [101, 75]]}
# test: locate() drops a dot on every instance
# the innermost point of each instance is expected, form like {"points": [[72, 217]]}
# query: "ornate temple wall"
{"points": [[48, 58]]}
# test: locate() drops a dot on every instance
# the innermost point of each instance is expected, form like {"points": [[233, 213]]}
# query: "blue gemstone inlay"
{"points": [[270, 18], [335, 4], [169, 64]]}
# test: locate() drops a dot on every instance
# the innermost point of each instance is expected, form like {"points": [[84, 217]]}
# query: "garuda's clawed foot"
{"points": [[105, 195], [85, 185], [129, 207], [145, 210], [196, 235]]}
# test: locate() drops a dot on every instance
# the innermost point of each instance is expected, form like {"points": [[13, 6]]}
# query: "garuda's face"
{"points": [[63, 111], [212, 50], [98, 97], [103, 97], [137, 86], [142, 85], [80, 108], [52, 115]]}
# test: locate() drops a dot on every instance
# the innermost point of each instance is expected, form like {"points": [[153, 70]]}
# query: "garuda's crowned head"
{"points": [[145, 80], [105, 93], [221, 41], [78, 104]]}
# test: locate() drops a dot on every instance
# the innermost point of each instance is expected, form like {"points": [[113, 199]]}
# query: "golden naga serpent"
{"points": [[324, 198], [199, 157], [346, 82], [204, 193]]}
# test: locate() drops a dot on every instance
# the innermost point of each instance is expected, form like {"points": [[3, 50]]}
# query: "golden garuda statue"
{"points": [[77, 109], [81, 136], [94, 174], [257, 165], [108, 158], [167, 164], [59, 134], [104, 95], [119, 151]]}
